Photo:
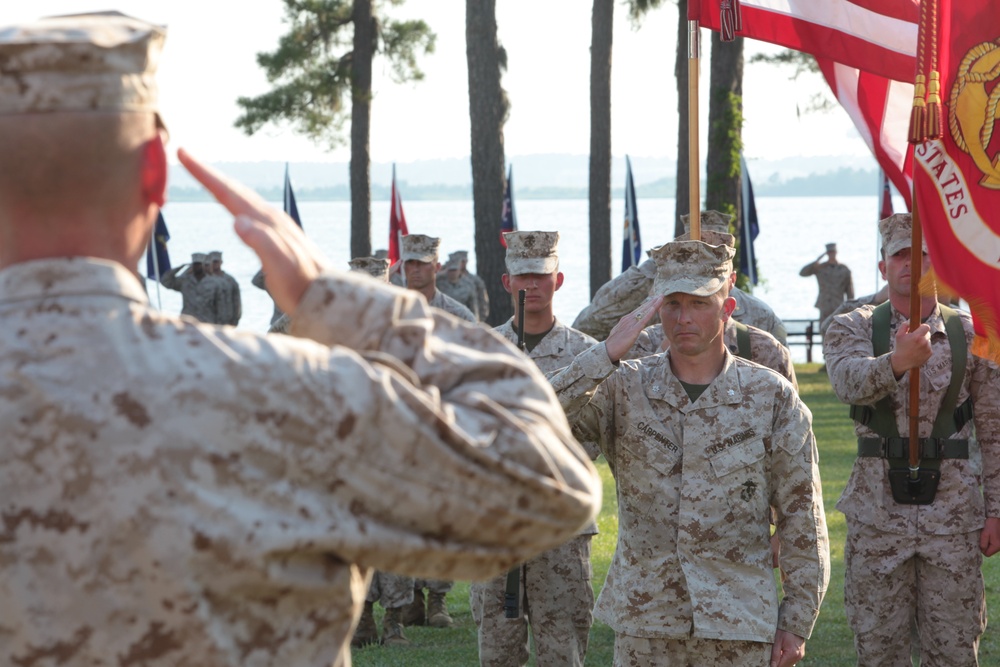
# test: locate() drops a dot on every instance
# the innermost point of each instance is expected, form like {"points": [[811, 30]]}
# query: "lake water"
{"points": [[793, 232]]}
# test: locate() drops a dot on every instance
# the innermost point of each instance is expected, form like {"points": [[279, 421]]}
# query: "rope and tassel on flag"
{"points": [[631, 240], [956, 180], [508, 217]]}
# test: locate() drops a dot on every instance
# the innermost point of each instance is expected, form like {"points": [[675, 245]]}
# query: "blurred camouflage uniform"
{"points": [[201, 296], [764, 348], [835, 283], [230, 305], [923, 561], [482, 296], [185, 494], [259, 282], [462, 290], [695, 480], [557, 596], [623, 293], [851, 304]]}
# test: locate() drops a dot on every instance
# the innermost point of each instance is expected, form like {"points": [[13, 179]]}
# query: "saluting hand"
{"points": [[289, 259], [626, 332], [912, 349]]}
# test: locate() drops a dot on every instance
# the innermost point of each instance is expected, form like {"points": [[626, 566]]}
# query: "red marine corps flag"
{"points": [[956, 171]]}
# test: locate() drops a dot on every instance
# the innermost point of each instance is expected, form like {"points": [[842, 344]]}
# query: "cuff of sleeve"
{"points": [[797, 619], [595, 363], [882, 375], [348, 310]]}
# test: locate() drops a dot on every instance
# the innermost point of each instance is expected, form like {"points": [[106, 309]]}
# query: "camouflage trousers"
{"points": [[892, 580], [557, 601], [689, 652], [390, 590]]}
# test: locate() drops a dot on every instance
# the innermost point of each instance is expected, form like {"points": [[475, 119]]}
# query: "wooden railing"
{"points": [[804, 333]]}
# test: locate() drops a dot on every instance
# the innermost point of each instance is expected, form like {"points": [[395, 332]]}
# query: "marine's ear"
{"points": [[154, 170]]}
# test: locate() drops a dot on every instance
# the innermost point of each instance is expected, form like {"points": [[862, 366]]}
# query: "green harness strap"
{"points": [[949, 421], [742, 341]]}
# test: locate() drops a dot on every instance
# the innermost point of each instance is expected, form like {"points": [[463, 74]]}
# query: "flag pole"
{"points": [[916, 267], [156, 266], [694, 182]]}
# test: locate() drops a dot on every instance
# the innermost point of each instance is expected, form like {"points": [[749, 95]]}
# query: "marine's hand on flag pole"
{"points": [[289, 259]]}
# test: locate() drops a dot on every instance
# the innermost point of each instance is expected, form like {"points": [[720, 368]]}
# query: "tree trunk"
{"points": [[488, 113], [725, 126], [602, 23], [682, 196], [361, 115]]}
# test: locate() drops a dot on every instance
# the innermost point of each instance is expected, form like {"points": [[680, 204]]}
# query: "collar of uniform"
{"points": [[70, 276], [723, 390], [934, 321]]}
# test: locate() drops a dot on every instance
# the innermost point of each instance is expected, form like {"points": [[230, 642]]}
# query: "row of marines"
{"points": [[232, 512]]}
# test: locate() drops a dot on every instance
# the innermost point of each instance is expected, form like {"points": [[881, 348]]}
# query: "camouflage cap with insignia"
{"points": [[376, 267], [714, 229], [897, 233], [214, 256], [532, 252], [421, 248], [691, 267], [80, 63], [460, 255], [198, 257]]}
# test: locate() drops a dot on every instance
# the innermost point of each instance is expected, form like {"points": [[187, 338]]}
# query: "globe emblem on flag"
{"points": [[973, 109]]}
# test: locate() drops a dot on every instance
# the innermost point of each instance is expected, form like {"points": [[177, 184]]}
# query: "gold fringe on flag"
{"points": [[988, 346]]}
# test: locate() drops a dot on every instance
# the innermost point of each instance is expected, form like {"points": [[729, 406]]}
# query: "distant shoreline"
{"points": [[844, 182]]}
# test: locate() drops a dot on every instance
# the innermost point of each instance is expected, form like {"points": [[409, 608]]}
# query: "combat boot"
{"points": [[367, 631], [392, 628], [437, 611], [414, 613]]}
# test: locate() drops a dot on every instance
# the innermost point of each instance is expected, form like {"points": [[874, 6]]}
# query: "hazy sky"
{"points": [[209, 61]]}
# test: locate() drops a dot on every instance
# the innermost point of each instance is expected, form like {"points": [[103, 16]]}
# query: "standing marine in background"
{"points": [[419, 257], [908, 558], [230, 306], [451, 282], [482, 297], [557, 596], [626, 291], [200, 293], [834, 278]]}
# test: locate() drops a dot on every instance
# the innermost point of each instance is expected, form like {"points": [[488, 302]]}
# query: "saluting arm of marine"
{"points": [[509, 479], [171, 279]]}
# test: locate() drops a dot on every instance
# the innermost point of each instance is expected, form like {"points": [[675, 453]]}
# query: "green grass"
{"points": [[831, 644]]}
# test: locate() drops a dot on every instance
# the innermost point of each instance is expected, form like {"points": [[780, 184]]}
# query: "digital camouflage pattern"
{"points": [[849, 305], [858, 378], [694, 483], [556, 586], [660, 652], [452, 307], [462, 290], [183, 494], [923, 559], [482, 296], [835, 285], [390, 590], [625, 292], [230, 308], [199, 298], [259, 282], [764, 348]]}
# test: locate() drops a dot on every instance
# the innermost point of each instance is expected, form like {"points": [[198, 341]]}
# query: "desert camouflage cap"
{"points": [[691, 267], [376, 267], [214, 256], [831, 247], [421, 248], [80, 63], [453, 264], [198, 257], [711, 237], [460, 255], [897, 233], [712, 221], [532, 252], [381, 253]]}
